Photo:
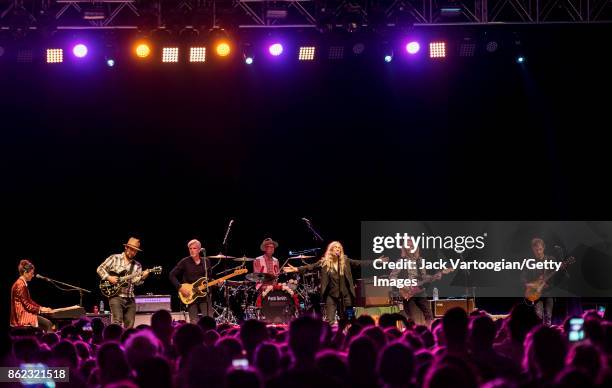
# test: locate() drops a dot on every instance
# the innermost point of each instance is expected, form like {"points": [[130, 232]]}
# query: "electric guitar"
{"points": [[109, 290], [410, 291], [533, 290], [198, 289]]}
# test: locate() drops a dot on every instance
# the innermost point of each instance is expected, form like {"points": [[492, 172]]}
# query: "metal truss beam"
{"points": [[71, 14]]}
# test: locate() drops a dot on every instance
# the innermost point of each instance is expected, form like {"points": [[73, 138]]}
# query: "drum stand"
{"points": [[226, 316]]}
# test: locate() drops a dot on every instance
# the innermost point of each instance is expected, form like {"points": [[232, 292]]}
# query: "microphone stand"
{"points": [[317, 236], [72, 288]]}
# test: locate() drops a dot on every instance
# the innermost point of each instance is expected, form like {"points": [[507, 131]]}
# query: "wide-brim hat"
{"points": [[134, 243], [266, 242]]}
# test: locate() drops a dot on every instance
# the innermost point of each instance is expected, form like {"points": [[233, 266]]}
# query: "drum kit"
{"points": [[278, 299]]}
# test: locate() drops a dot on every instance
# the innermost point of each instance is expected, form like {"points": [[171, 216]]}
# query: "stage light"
{"points": [[223, 49], [307, 53], [1, 51], [80, 50], [143, 50], [358, 48], [110, 62], [467, 49], [276, 49], [336, 52], [520, 59], [197, 54], [388, 58], [55, 55], [248, 60], [492, 46], [437, 50], [170, 54], [413, 47], [24, 56]]}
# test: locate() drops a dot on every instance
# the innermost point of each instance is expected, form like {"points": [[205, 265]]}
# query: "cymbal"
{"points": [[244, 258], [260, 277], [301, 257], [220, 256]]}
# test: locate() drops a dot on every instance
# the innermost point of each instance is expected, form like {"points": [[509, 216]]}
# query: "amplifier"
{"points": [[368, 295], [441, 306], [152, 303], [145, 318]]}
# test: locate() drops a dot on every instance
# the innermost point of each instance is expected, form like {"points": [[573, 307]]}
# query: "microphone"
{"points": [[231, 222], [306, 220], [39, 276], [202, 252], [556, 246]]}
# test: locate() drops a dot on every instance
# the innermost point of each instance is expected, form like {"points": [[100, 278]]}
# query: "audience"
{"points": [[459, 350]]}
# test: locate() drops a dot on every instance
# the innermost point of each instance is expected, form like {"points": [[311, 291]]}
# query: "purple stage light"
{"points": [[80, 50], [413, 47], [276, 49]]}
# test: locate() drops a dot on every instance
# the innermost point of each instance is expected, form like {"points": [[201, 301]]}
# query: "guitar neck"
{"points": [[130, 276], [213, 282]]}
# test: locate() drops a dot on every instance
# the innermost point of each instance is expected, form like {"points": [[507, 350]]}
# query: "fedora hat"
{"points": [[266, 242], [133, 242]]}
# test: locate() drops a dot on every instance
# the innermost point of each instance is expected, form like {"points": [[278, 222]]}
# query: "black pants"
{"points": [[45, 324], [123, 311], [333, 305], [421, 303], [544, 309], [203, 306]]}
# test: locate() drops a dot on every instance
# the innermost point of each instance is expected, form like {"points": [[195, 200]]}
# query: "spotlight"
{"points": [[24, 56], [358, 48], [276, 49], [223, 49], [413, 47], [55, 55], [467, 49], [197, 54], [80, 50], [520, 59], [143, 50], [388, 58], [170, 54], [336, 52], [1, 51], [492, 46], [110, 62], [307, 53], [248, 60], [437, 50]]}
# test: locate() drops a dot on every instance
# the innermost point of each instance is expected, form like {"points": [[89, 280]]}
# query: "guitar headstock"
{"points": [[156, 270], [568, 261], [241, 271]]}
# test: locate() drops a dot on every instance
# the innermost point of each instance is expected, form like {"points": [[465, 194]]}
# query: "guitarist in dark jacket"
{"points": [[188, 270], [123, 305]]}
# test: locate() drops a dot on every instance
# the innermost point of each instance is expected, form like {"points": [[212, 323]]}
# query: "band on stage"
{"points": [[234, 289]]}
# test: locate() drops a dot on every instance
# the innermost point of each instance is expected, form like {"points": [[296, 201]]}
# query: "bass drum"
{"points": [[278, 306]]}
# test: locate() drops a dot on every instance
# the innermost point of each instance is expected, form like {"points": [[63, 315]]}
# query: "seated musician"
{"points": [[267, 263], [24, 311]]}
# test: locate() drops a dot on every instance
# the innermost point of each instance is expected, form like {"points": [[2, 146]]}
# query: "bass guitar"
{"points": [[198, 289]]}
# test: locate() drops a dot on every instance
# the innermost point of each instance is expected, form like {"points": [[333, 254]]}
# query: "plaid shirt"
{"points": [[118, 263]]}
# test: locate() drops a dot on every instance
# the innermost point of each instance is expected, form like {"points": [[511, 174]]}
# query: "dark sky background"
{"points": [[90, 156]]}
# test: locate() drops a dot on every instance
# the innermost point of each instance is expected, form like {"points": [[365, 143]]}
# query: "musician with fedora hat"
{"points": [[266, 263], [123, 305]]}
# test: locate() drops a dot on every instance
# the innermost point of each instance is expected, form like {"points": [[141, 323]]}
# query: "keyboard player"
{"points": [[24, 311]]}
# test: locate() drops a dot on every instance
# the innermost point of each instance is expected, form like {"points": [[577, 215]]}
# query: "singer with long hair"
{"points": [[24, 311], [337, 286]]}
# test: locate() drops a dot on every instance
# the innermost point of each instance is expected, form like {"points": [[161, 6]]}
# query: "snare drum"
{"points": [[278, 304]]}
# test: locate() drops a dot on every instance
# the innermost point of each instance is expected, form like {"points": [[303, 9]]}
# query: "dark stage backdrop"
{"points": [[88, 158]]}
